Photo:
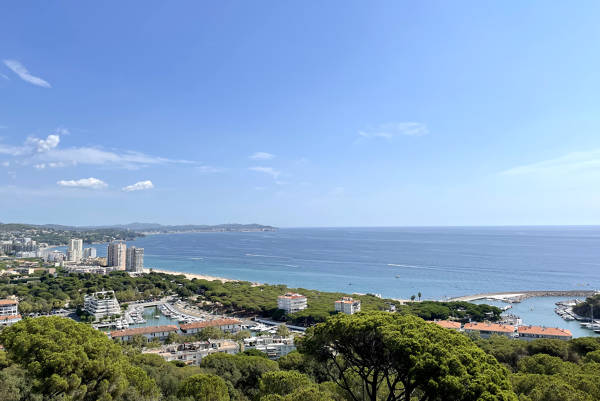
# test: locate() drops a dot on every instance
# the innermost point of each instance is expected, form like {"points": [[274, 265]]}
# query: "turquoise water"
{"points": [[540, 311], [395, 262], [154, 318]]}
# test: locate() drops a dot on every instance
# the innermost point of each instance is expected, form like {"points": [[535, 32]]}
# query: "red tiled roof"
{"points": [[10, 317], [448, 324], [493, 327], [8, 302], [547, 331], [209, 323], [142, 330]]}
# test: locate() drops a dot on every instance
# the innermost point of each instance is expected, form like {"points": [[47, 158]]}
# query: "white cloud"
{"points": [[139, 186], [5, 164], [391, 130], [37, 151], [92, 183], [4, 76], [262, 156], [267, 170], [22, 72], [569, 163]]}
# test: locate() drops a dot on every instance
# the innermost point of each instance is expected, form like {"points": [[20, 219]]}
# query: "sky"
{"points": [[296, 114]]}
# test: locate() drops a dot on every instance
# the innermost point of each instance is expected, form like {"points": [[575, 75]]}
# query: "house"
{"points": [[347, 305], [534, 332], [448, 324], [9, 307], [7, 320], [292, 302], [193, 352], [486, 330], [274, 346], [226, 325], [150, 332]]}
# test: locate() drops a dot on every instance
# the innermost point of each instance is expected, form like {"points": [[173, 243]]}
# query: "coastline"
{"points": [[190, 276]]}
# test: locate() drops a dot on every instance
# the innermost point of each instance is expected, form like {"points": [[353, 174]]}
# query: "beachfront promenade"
{"points": [[518, 296]]}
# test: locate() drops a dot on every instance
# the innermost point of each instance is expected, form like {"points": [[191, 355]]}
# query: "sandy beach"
{"points": [[191, 275]]}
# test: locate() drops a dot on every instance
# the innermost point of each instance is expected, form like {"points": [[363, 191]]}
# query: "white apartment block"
{"points": [[101, 304], [75, 250], [150, 332], [347, 305], [274, 346], [226, 325], [291, 302], [192, 353], [135, 259], [117, 255], [9, 312], [89, 253]]}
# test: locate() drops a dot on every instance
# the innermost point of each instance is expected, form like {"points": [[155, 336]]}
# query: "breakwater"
{"points": [[518, 296]]}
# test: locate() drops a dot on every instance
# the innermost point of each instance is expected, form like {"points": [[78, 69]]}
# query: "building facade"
{"points": [[9, 312], [117, 255], [530, 333], [226, 325], [75, 250], [192, 353], [486, 330], [150, 332], [347, 305], [101, 304], [274, 346], [89, 253], [292, 302], [135, 259]]}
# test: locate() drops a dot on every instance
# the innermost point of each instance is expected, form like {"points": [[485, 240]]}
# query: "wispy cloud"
{"points": [[209, 169], [391, 130], [22, 72], [91, 183], [267, 170], [4, 76], [139, 186], [45, 152], [569, 163], [262, 156]]}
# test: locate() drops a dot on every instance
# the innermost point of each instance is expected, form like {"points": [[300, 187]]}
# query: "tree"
{"points": [[282, 330], [419, 294], [412, 297], [203, 387], [210, 333], [401, 357], [70, 360], [283, 382]]}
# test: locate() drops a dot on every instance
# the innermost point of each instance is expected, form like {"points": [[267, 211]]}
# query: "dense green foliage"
{"points": [[402, 357], [73, 361], [203, 387], [585, 308]]}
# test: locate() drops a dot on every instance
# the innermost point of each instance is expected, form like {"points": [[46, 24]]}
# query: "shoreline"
{"points": [[190, 276], [518, 296]]}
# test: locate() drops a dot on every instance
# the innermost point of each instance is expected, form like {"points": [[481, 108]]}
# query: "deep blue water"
{"points": [[395, 262]]}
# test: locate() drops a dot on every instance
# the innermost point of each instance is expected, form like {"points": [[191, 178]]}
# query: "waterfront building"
{"points": [[448, 324], [135, 259], [101, 304], [274, 346], [88, 269], [89, 253], [486, 330], [150, 332], [530, 333], [226, 325], [75, 250], [347, 305], [117, 255], [192, 353], [9, 307], [292, 302], [9, 320]]}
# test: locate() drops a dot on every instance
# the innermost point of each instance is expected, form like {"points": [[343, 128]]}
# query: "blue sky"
{"points": [[338, 113]]}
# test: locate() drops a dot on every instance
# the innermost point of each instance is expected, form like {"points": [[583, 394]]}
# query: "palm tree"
{"points": [[412, 297], [419, 296]]}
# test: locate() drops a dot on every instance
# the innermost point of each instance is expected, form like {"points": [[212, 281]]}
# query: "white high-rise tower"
{"points": [[75, 250]]}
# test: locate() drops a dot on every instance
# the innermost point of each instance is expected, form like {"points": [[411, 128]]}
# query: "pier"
{"points": [[518, 296]]}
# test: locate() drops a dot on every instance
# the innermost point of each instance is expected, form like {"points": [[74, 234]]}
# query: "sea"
{"points": [[438, 262]]}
